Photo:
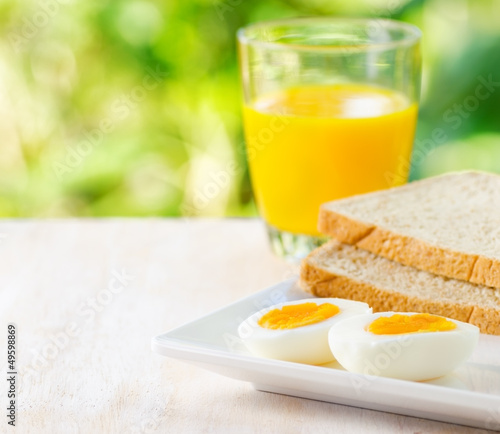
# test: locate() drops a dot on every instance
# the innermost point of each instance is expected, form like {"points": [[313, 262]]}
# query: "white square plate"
{"points": [[468, 396]]}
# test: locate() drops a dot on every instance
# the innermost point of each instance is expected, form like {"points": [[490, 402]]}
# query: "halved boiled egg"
{"points": [[297, 331], [406, 345]]}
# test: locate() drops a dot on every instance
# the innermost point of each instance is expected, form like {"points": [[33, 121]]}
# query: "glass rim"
{"points": [[413, 34]]}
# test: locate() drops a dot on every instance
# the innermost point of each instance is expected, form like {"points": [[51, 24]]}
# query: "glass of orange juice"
{"points": [[330, 108]]}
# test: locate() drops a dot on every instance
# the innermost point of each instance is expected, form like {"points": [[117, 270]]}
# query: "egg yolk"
{"points": [[297, 315], [400, 324]]}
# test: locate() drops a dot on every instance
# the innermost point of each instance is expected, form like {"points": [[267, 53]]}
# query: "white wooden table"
{"points": [[87, 296]]}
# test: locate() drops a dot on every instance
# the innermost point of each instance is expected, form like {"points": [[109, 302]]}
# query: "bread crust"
{"points": [[410, 251], [342, 228], [322, 283], [486, 272]]}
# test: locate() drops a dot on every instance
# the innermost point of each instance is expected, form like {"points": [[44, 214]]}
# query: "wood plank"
{"points": [[88, 295]]}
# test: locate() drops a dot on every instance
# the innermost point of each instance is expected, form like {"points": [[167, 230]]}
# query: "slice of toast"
{"points": [[448, 225], [344, 271]]}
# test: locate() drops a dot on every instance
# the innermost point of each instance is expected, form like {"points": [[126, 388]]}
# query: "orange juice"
{"points": [[312, 144]]}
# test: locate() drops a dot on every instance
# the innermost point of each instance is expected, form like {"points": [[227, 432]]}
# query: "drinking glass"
{"points": [[329, 111]]}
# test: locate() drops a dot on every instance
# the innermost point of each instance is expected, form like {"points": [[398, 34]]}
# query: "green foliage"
{"points": [[133, 107]]}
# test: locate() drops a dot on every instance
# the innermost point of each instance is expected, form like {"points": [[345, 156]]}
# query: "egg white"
{"points": [[306, 344], [410, 356]]}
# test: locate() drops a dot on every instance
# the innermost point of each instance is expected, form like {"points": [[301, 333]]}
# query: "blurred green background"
{"points": [[133, 107]]}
